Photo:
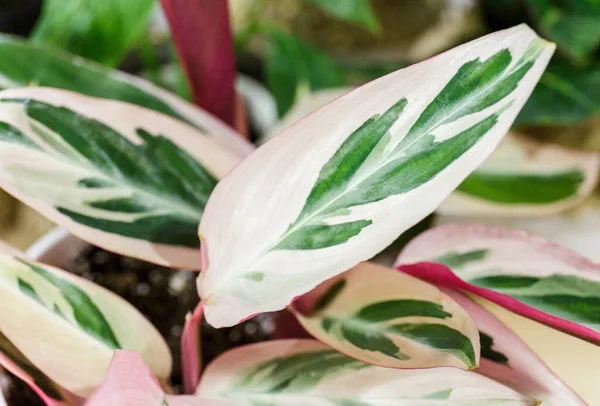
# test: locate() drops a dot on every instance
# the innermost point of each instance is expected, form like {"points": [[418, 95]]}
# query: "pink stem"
{"points": [[202, 36], [190, 350], [442, 276]]}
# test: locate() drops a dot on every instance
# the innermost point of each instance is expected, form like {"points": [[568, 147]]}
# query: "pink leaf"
{"points": [[202, 36], [129, 382]]}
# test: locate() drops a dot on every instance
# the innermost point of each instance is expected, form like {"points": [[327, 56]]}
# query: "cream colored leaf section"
{"points": [[302, 372], [69, 327], [384, 317]]}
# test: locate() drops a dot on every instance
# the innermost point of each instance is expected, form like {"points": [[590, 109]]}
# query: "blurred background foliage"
{"points": [[294, 47]]}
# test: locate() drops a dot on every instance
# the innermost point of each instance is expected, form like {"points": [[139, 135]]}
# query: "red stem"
{"points": [[202, 36], [190, 350]]}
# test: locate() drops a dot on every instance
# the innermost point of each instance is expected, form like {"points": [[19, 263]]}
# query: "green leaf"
{"points": [[294, 67], [518, 189], [357, 12], [33, 64], [25, 64], [103, 31], [565, 95], [573, 24]]}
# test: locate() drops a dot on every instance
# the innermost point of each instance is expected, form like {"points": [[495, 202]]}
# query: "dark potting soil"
{"points": [[164, 296]]}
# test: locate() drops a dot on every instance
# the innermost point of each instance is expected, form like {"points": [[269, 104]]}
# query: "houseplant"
{"points": [[374, 163]]}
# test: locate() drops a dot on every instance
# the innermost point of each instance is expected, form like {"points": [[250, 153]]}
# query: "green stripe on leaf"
{"points": [[369, 329], [294, 374], [87, 315], [488, 351], [564, 296], [458, 260]]}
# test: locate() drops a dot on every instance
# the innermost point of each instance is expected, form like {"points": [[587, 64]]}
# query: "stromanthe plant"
{"points": [[290, 226]]}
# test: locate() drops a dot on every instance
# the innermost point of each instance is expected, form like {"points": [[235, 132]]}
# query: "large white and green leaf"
{"points": [[119, 176], [25, 63], [68, 328], [525, 178], [507, 359], [344, 182], [384, 317], [301, 372], [525, 274]]}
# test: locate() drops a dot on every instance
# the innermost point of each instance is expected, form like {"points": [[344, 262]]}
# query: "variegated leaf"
{"points": [[507, 359], [577, 229], [528, 275], [302, 372], [117, 175], [129, 382], [69, 328], [344, 182], [525, 178], [384, 317], [26, 63]]}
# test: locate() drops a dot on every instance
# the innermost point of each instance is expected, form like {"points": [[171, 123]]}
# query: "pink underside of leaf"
{"points": [[190, 350], [202, 35], [129, 382], [443, 276], [526, 368], [19, 373]]}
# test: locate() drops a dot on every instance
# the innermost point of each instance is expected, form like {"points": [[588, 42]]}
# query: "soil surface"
{"points": [[164, 296]]}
